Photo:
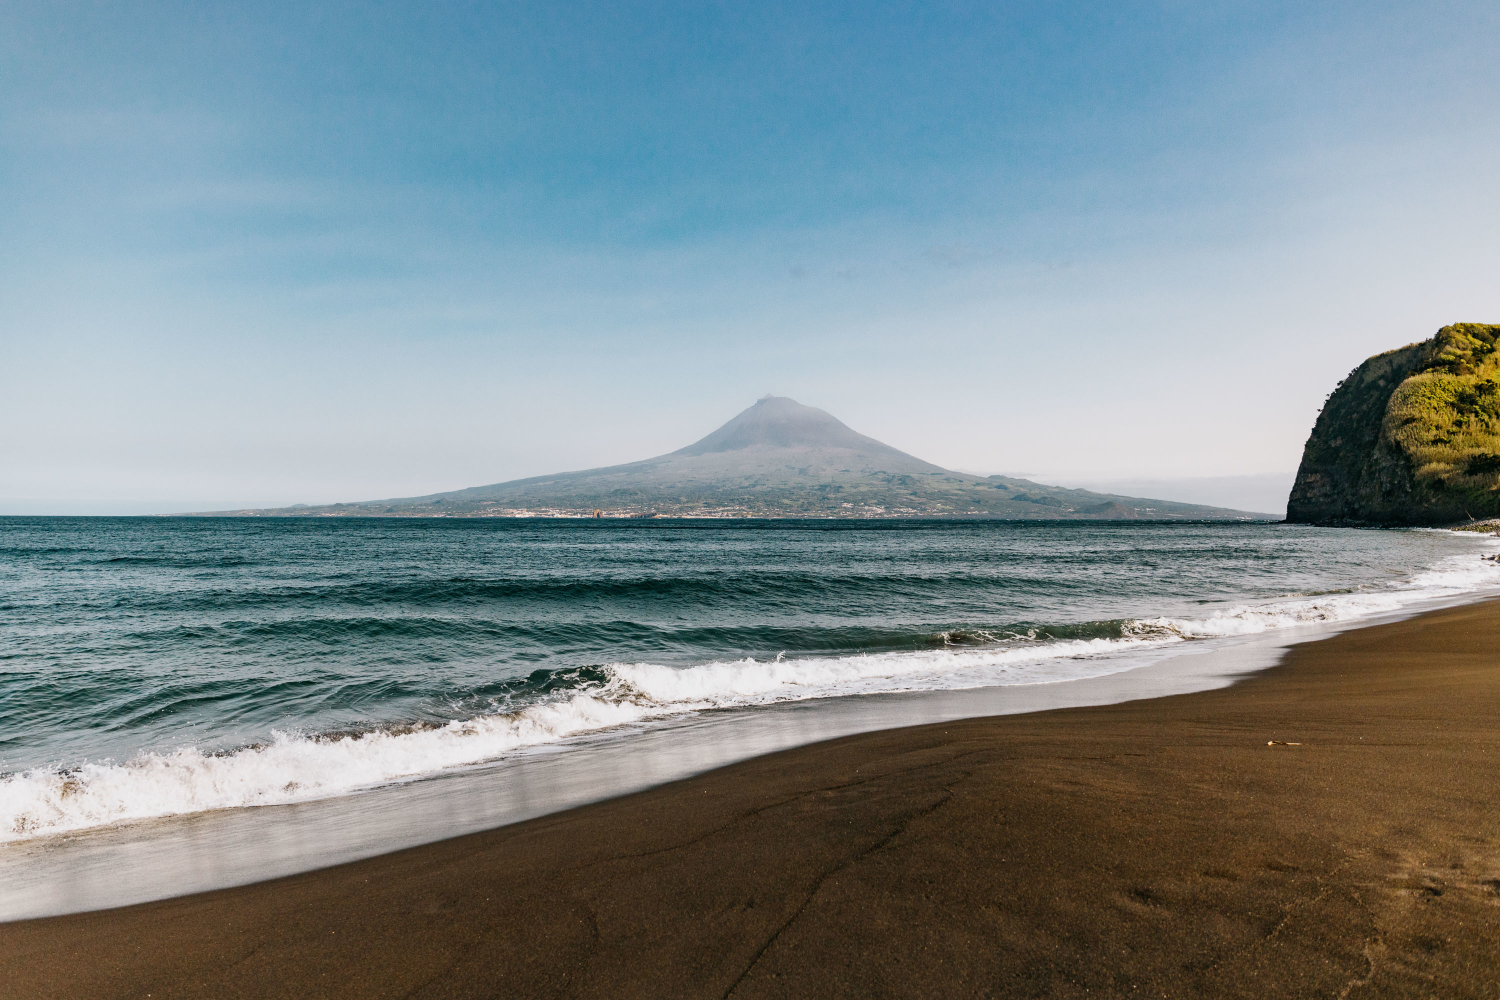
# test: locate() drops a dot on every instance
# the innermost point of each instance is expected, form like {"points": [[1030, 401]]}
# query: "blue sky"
{"points": [[317, 252]]}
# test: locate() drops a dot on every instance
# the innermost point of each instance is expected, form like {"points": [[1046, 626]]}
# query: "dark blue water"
{"points": [[138, 654]]}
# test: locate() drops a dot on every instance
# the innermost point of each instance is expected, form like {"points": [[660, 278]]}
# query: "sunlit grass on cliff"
{"points": [[1446, 416]]}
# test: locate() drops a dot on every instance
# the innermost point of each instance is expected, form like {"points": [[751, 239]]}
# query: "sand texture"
{"points": [[1157, 848]]}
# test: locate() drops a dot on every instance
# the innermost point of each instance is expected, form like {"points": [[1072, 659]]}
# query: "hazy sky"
{"points": [[315, 251]]}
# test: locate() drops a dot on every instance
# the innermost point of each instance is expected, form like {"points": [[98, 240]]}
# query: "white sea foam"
{"points": [[295, 767]]}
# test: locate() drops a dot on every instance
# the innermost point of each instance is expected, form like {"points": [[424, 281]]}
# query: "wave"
{"points": [[783, 588], [551, 706]]}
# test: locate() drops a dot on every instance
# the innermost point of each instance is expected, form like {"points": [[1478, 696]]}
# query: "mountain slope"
{"points": [[1412, 436], [776, 459]]}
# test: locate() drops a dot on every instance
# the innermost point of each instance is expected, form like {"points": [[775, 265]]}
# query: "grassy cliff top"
{"points": [[1445, 416]]}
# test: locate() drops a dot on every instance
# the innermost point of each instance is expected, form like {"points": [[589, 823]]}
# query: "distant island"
{"points": [[776, 459], [1411, 437]]}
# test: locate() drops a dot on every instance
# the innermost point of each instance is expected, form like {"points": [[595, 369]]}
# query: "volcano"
{"points": [[778, 458]]}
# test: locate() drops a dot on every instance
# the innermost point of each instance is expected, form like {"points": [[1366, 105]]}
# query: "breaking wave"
{"points": [[553, 706]]}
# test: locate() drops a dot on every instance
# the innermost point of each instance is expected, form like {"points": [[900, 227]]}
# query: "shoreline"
{"points": [[162, 857], [1146, 845], [177, 855]]}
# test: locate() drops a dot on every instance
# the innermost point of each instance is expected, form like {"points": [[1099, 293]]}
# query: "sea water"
{"points": [[155, 667]]}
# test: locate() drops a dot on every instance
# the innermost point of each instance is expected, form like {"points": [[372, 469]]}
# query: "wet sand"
{"points": [[1154, 848]]}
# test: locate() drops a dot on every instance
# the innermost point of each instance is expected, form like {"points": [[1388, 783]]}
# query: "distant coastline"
{"points": [[697, 514]]}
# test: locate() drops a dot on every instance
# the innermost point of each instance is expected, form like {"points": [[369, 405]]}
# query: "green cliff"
{"points": [[1411, 437]]}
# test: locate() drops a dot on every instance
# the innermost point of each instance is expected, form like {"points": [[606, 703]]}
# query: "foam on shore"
{"points": [[296, 767]]}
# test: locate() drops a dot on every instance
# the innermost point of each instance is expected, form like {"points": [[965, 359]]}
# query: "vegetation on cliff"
{"points": [[1446, 417], [1412, 436]]}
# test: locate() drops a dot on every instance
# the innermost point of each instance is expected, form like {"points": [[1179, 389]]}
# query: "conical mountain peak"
{"points": [[779, 422], [778, 458]]}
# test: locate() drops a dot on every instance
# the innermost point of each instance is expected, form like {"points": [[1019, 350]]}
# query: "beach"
{"points": [[832, 501], [1165, 847]]}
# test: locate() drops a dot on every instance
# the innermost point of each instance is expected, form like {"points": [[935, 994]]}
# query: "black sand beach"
{"points": [[1155, 848]]}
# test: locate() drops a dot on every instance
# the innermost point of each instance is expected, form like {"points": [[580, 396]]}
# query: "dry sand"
{"points": [[1156, 848]]}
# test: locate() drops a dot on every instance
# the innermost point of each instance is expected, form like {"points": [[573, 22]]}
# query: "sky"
{"points": [[317, 252]]}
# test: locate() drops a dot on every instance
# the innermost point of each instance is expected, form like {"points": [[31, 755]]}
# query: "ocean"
{"points": [[156, 667]]}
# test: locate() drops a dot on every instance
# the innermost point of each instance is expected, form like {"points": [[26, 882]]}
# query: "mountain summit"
{"points": [[778, 458], [776, 422]]}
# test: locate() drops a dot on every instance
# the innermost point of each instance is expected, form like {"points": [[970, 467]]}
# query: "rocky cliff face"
{"points": [[1411, 437]]}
